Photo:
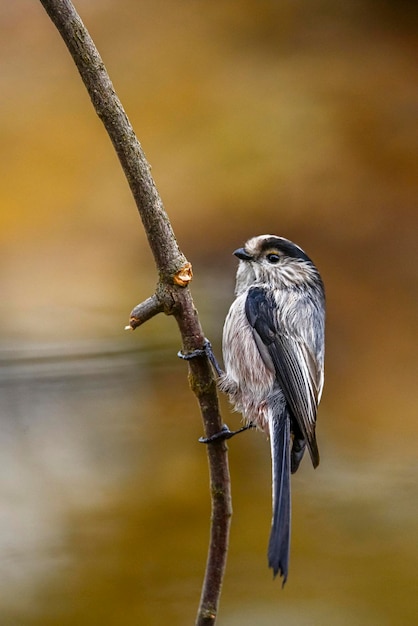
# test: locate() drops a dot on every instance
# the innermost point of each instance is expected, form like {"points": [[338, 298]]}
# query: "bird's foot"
{"points": [[225, 433], [205, 351]]}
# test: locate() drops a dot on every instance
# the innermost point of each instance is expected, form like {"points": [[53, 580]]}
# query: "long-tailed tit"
{"points": [[273, 349]]}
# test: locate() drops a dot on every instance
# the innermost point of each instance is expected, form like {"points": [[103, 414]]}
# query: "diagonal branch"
{"points": [[172, 295]]}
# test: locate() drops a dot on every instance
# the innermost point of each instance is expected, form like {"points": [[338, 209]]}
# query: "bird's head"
{"points": [[276, 262]]}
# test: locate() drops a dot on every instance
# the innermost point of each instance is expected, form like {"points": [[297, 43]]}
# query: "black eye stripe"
{"points": [[285, 247]]}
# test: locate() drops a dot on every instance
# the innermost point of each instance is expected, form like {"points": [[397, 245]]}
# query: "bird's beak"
{"points": [[243, 255]]}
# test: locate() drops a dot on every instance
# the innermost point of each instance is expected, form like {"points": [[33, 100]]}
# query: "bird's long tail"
{"points": [[279, 544]]}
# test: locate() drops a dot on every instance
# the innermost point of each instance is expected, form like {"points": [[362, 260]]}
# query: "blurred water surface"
{"points": [[105, 503]]}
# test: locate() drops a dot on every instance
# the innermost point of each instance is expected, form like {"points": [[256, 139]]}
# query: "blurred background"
{"points": [[292, 118]]}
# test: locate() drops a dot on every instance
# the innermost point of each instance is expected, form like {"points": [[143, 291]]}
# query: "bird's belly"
{"points": [[247, 379]]}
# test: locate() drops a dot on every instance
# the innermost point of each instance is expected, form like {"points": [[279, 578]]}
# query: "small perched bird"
{"points": [[273, 349]]}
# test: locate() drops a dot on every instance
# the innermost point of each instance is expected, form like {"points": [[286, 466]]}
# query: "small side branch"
{"points": [[144, 312]]}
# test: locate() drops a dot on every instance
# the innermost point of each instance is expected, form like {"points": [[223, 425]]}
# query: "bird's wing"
{"points": [[293, 361]]}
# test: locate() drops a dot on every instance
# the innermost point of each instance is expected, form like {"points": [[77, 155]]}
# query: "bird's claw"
{"points": [[187, 356], [205, 351], [224, 434]]}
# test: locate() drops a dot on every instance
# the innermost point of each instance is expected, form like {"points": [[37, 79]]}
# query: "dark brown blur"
{"points": [[292, 118]]}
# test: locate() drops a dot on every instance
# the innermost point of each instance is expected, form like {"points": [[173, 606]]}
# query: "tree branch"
{"points": [[172, 295]]}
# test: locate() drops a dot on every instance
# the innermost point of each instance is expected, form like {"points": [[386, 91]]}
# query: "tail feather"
{"points": [[279, 544]]}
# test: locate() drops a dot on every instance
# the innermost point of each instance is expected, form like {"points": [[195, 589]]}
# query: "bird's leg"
{"points": [[225, 433], [205, 351]]}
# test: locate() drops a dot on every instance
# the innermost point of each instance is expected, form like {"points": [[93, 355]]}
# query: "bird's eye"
{"points": [[273, 258]]}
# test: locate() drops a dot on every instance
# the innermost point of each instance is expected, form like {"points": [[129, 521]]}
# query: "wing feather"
{"points": [[295, 366]]}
